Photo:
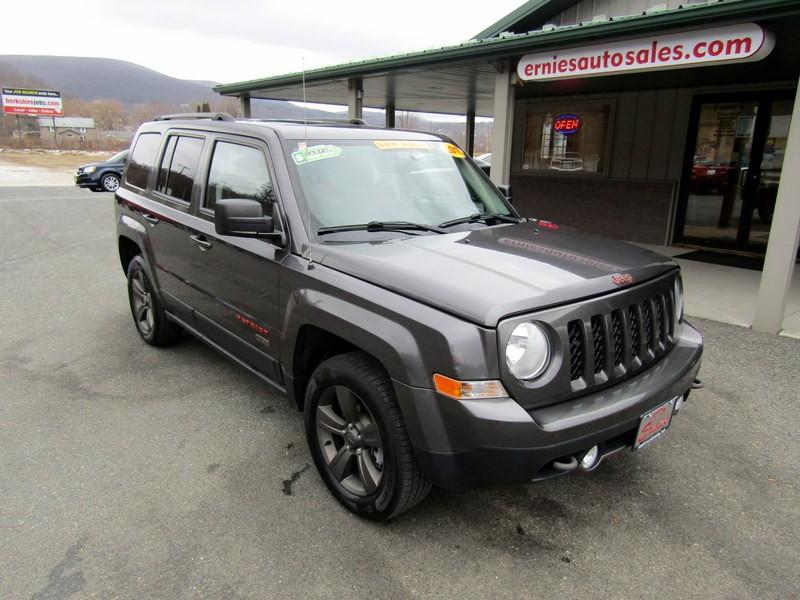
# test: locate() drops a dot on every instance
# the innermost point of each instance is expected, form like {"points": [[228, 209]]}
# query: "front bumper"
{"points": [[463, 444], [87, 180]]}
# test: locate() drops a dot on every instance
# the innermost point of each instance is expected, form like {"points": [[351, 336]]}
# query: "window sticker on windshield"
{"points": [[454, 151], [400, 145], [315, 153]]}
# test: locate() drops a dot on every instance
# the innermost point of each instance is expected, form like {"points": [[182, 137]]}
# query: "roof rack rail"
{"points": [[315, 121], [214, 116]]}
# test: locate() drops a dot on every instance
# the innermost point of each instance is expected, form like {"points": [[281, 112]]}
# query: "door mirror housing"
{"points": [[244, 217], [505, 189]]}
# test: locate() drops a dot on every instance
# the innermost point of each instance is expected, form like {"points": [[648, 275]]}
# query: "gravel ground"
{"points": [[133, 472]]}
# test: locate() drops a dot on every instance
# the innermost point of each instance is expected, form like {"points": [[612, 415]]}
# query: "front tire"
{"points": [[151, 321], [109, 182], [358, 439]]}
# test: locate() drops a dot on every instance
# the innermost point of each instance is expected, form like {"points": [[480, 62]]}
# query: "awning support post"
{"points": [[784, 235], [504, 92], [355, 98], [244, 101], [390, 110], [471, 132]]}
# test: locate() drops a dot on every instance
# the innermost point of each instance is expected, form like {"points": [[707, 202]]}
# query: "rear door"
{"points": [[236, 280], [173, 191], [165, 243]]}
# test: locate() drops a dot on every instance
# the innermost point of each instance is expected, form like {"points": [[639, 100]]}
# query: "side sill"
{"points": [[225, 352]]}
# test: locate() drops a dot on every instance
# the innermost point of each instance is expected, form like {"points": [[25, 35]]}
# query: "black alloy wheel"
{"points": [[349, 440], [358, 438], [151, 321]]}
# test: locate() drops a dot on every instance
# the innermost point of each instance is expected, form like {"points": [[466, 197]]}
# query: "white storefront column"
{"points": [[503, 123], [355, 98], [784, 235]]}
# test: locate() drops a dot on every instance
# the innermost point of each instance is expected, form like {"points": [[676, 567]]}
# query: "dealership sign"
{"points": [[17, 101], [702, 47]]}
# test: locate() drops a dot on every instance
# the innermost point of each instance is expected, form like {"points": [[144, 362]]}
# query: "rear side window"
{"points": [[142, 159], [239, 172], [178, 167]]}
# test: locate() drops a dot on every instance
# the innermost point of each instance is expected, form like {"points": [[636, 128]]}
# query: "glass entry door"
{"points": [[731, 183]]}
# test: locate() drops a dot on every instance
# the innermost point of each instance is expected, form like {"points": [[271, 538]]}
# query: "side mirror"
{"points": [[505, 188], [243, 217]]}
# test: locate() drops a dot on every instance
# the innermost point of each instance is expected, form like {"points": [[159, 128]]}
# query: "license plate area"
{"points": [[654, 423]]}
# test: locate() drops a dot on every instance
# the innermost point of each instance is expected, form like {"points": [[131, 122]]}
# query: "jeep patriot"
{"points": [[429, 334]]}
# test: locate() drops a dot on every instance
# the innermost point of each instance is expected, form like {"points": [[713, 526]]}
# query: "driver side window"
{"points": [[238, 172]]}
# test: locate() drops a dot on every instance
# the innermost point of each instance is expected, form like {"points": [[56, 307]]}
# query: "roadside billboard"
{"points": [[21, 101]]}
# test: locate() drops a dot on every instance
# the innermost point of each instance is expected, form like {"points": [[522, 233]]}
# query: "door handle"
{"points": [[153, 220], [201, 241]]}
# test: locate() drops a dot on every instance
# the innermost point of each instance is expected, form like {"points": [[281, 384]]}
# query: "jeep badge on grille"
{"points": [[622, 278]]}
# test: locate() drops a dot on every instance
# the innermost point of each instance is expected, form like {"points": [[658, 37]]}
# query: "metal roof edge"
{"points": [[515, 15], [503, 46]]}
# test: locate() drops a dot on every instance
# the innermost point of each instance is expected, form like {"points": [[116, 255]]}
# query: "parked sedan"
{"points": [[102, 176]]}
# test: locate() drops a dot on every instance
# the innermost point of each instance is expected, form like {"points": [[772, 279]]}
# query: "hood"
{"points": [[483, 275]]}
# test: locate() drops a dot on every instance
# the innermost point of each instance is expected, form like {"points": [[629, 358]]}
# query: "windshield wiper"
{"points": [[473, 218], [381, 226]]}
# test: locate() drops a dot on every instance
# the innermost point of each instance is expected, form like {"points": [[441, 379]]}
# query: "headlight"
{"points": [[527, 351], [89, 169], [678, 300]]}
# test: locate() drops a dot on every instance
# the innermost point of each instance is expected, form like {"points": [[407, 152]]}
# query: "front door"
{"points": [[236, 280], [733, 170]]}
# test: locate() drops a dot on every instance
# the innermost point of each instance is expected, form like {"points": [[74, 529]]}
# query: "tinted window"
{"points": [[142, 159], [178, 167], [239, 172]]}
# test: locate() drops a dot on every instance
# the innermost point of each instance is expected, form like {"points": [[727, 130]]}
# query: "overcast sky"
{"points": [[234, 40]]}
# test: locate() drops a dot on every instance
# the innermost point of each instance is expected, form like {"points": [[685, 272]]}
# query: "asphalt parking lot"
{"points": [[133, 472]]}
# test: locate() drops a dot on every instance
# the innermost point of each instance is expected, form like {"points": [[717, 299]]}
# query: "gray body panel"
{"points": [[419, 304]]}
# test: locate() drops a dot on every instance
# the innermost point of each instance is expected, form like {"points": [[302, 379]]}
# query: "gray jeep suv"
{"points": [[430, 334]]}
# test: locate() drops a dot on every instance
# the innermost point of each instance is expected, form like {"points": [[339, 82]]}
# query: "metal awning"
{"points": [[452, 89], [456, 79]]}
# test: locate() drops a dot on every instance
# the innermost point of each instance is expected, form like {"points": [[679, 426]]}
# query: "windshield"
{"points": [[118, 157], [347, 182]]}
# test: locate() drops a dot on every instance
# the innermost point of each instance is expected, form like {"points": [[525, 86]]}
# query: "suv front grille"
{"points": [[623, 340]]}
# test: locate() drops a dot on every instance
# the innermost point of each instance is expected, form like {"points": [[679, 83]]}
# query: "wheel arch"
{"points": [[325, 326], [128, 249]]}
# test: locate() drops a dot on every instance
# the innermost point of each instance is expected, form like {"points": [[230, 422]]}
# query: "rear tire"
{"points": [[358, 439], [151, 321]]}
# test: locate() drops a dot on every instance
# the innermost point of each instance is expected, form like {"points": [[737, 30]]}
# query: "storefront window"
{"points": [[566, 141]]}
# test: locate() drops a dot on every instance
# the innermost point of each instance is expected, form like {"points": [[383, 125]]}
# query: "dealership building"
{"points": [[654, 121]]}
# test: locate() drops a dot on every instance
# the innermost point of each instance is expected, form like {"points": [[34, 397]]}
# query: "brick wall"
{"points": [[631, 210]]}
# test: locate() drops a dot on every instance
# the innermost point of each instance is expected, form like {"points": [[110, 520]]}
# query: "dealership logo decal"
{"points": [[732, 43]]}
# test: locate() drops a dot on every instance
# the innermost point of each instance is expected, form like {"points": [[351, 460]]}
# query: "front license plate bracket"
{"points": [[654, 423]]}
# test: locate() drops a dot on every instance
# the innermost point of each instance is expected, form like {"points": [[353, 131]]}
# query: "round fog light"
{"points": [[590, 458]]}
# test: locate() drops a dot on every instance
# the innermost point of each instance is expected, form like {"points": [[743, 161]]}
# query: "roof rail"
{"points": [[314, 121], [214, 116]]}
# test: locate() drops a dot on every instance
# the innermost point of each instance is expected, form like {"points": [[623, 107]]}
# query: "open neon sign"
{"points": [[567, 124]]}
